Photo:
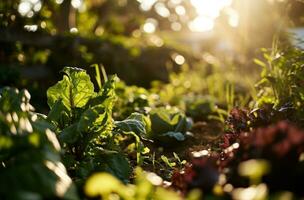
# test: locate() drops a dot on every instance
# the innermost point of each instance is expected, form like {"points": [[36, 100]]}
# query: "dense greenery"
{"points": [[95, 135], [130, 104], [30, 152]]}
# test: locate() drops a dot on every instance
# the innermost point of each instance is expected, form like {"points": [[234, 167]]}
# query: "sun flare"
{"points": [[208, 11]]}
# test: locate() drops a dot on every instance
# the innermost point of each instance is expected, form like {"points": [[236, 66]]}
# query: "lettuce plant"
{"points": [[84, 124], [168, 126], [86, 128]]}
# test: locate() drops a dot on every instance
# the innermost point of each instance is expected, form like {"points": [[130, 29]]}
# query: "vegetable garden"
{"points": [[203, 132]]}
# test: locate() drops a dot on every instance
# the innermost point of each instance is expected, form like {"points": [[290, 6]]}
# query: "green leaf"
{"points": [[107, 96], [160, 120], [59, 114], [94, 119], [37, 174], [75, 89], [70, 134], [260, 63], [174, 135], [135, 122], [168, 125], [183, 125], [166, 160], [118, 165]]}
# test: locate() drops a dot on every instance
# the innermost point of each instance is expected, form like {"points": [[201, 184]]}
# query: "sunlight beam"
{"points": [[207, 11]]}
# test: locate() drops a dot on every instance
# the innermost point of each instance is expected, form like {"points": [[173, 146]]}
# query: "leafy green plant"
{"points": [[85, 127], [174, 162], [136, 125], [200, 108], [31, 166], [168, 125], [282, 79], [132, 99]]}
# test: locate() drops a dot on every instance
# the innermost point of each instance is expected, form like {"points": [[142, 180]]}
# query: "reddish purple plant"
{"points": [[281, 144], [202, 173]]}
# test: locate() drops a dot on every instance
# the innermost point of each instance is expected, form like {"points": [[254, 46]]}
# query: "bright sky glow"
{"points": [[233, 18], [201, 24], [208, 11]]}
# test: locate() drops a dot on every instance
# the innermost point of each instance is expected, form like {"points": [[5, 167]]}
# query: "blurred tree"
{"points": [[39, 37]]}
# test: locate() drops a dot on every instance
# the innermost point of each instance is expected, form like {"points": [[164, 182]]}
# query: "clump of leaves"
{"points": [[240, 120], [282, 145], [168, 125], [31, 166], [200, 108], [201, 173], [85, 127], [132, 99], [282, 80]]}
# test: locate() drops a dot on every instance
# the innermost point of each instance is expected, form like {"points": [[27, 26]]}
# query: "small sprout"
{"points": [[166, 160]]}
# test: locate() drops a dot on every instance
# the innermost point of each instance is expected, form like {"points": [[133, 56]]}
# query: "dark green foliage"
{"points": [[168, 126], [132, 99], [31, 167], [200, 108]]}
